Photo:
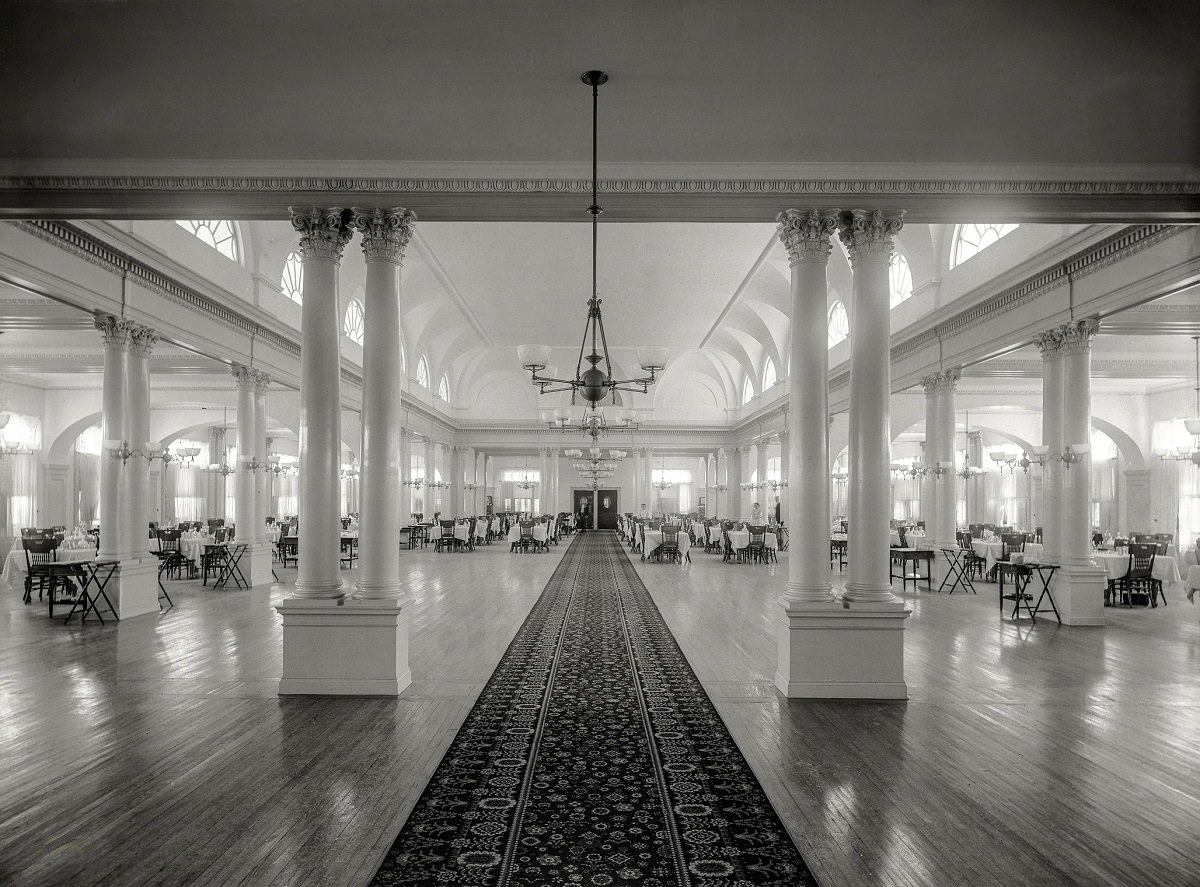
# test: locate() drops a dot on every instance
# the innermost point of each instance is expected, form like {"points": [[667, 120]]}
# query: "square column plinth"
{"points": [[256, 565], [344, 647], [1078, 594], [133, 588], [842, 650]]}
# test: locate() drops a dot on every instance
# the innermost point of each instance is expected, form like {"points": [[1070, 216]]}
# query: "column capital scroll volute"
{"points": [[1076, 337], [142, 340], [806, 235], [385, 232], [324, 233], [868, 235], [262, 380], [1050, 343]]}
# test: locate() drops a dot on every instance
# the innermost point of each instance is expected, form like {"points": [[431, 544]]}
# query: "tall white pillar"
{"points": [[262, 455], [216, 485], [114, 542], [734, 468], [555, 461], [428, 498], [806, 236], [1050, 344], [323, 235], [405, 475], [137, 431], [722, 480], [868, 239], [1079, 585], [385, 235], [938, 484], [785, 474], [246, 528], [762, 494]]}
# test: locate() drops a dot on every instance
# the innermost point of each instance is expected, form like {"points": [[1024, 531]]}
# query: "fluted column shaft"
{"points": [[385, 234], [243, 505], [262, 455], [1075, 544], [137, 431], [1050, 519], [323, 235], [216, 485], [427, 497], [785, 473], [806, 236], [868, 239], [114, 543], [405, 474], [761, 494], [722, 480]]}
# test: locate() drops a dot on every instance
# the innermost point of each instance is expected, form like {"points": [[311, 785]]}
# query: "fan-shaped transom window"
{"points": [[444, 388], [839, 323], [352, 325], [423, 372], [970, 239], [747, 391], [291, 283], [901, 279], [769, 377], [217, 233]]}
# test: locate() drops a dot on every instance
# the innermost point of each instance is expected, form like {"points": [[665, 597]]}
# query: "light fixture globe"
{"points": [[593, 382]]}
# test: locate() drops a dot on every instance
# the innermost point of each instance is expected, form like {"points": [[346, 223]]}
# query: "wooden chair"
{"points": [[525, 540], [757, 549], [973, 564], [1139, 578], [40, 552], [287, 549], [348, 551], [837, 554], [170, 558]]}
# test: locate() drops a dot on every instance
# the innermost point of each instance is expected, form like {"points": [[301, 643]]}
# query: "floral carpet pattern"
{"points": [[593, 756]]}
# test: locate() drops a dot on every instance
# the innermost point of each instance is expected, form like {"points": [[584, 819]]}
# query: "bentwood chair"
{"points": [[669, 549], [757, 549], [40, 552], [1139, 578]]}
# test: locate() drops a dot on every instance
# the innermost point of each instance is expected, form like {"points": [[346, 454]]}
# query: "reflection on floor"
{"points": [[157, 750]]}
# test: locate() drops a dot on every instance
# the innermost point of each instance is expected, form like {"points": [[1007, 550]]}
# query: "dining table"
{"points": [[740, 539], [1116, 564], [540, 533], [1191, 571], [15, 566], [654, 539], [990, 550]]}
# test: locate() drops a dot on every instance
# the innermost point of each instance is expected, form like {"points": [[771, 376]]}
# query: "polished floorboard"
{"points": [[156, 751]]}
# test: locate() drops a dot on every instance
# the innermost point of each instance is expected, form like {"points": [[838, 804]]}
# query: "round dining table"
{"points": [[654, 539]]}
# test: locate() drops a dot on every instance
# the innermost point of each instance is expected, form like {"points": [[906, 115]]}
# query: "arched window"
{"points": [[970, 239], [839, 323], [422, 372], [219, 234], [444, 388], [747, 391], [291, 284], [901, 279], [352, 326], [769, 377]]}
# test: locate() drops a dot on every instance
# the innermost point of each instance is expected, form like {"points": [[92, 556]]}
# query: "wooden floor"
{"points": [[156, 751]]}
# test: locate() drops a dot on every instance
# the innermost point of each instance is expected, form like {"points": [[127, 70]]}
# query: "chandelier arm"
{"points": [[604, 344]]}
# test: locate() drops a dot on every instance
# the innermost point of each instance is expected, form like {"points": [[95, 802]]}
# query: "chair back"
{"points": [[758, 535], [39, 551], [964, 539], [976, 530], [1097, 540], [1010, 543], [168, 540], [1141, 559], [900, 532]]}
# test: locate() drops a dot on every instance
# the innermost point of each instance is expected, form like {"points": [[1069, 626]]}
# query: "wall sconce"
{"points": [[413, 482], [1073, 453], [720, 488], [120, 449], [941, 469]]}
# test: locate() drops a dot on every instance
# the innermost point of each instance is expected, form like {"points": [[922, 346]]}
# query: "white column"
{"points": [[385, 234], [734, 468], [806, 236], [405, 472], [323, 235], [1050, 519], [555, 460], [428, 500], [262, 455], [114, 542], [722, 479], [868, 239], [246, 529], [938, 485], [785, 474], [1075, 547], [137, 432], [762, 494]]}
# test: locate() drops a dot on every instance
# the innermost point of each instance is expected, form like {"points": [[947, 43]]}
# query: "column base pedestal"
{"points": [[1079, 595], [344, 647], [133, 589], [842, 650], [257, 564]]}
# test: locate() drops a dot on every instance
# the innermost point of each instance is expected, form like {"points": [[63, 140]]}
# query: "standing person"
{"points": [[756, 514], [778, 511], [644, 512], [585, 513]]}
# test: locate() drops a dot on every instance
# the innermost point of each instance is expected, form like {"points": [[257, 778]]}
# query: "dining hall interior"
{"points": [[918, 294]]}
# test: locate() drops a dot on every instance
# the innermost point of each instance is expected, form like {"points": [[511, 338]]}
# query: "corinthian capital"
{"points": [[945, 380], [385, 232], [806, 234], [262, 381], [115, 332], [868, 235], [1077, 335], [142, 340], [1049, 343], [323, 232], [243, 375]]}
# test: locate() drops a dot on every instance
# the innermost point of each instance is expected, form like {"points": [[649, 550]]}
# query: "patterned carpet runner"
{"points": [[593, 757]]}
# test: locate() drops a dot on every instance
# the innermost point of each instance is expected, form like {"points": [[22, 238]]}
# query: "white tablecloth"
{"points": [[1116, 564], [192, 547], [739, 539], [15, 567], [698, 531], [539, 533], [990, 552], [1191, 581], [654, 539]]}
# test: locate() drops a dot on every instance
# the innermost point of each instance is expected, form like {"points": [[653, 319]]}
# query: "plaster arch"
{"points": [[1126, 445], [57, 454]]}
